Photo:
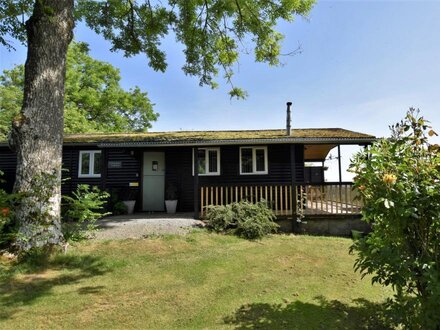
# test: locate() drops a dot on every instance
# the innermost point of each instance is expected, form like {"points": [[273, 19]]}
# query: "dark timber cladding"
{"points": [[8, 163], [196, 183], [122, 159], [112, 179], [179, 171]]}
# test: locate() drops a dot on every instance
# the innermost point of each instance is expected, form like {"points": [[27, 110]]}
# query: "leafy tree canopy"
{"points": [[213, 32], [94, 100], [399, 181]]}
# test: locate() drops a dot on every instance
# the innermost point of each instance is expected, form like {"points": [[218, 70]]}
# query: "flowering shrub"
{"points": [[6, 202], [399, 181]]}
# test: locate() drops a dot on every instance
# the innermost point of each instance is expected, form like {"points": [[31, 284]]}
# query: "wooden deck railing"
{"points": [[328, 198], [278, 196]]}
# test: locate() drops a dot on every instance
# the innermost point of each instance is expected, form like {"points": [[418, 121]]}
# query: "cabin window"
{"points": [[89, 164], [253, 160], [209, 161]]}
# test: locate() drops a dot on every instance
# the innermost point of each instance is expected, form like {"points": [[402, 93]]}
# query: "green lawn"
{"points": [[198, 281]]}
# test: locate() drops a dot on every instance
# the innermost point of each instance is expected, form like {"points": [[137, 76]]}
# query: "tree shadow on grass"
{"points": [[323, 314], [37, 280]]}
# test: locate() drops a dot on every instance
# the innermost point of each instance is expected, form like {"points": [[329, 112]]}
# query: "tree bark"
{"points": [[37, 132]]}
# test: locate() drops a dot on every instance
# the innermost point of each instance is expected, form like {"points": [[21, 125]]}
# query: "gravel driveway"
{"points": [[142, 225]]}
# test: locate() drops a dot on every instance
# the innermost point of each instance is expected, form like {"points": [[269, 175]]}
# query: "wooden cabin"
{"points": [[209, 168]]}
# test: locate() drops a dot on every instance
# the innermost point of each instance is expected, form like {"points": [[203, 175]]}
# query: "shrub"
{"points": [[7, 229], [254, 220], [81, 211], [117, 196], [244, 219], [119, 208], [399, 181], [220, 218], [6, 234]]}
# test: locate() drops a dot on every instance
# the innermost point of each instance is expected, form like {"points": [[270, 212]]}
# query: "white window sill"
{"points": [[209, 174], [93, 176]]}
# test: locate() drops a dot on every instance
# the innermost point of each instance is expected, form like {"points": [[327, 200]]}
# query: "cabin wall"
{"points": [[70, 171], [314, 174], [178, 170], [115, 180]]}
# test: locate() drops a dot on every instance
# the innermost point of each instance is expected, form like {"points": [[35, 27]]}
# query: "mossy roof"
{"points": [[306, 135], [219, 136]]}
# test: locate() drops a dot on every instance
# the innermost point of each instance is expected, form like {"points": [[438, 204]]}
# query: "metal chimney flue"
{"points": [[288, 120]]}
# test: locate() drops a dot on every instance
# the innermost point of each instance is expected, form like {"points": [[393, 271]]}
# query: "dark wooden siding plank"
{"points": [[8, 164]]}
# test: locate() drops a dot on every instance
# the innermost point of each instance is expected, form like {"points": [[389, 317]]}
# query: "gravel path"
{"points": [[142, 225]]}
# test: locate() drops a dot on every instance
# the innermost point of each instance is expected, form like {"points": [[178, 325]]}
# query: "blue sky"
{"points": [[363, 64]]}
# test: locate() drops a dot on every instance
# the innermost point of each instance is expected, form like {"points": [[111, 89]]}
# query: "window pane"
{"points": [[97, 163], [246, 160], [212, 161], [202, 161], [259, 154], [85, 162]]}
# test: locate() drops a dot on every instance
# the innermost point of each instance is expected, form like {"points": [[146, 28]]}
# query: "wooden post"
{"points": [[202, 192], [196, 182], [293, 183], [339, 163], [340, 176]]}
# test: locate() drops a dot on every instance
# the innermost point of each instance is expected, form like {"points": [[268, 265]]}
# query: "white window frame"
{"points": [[207, 162], [254, 160], [92, 154]]}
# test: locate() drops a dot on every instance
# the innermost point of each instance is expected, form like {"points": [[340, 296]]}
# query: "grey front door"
{"points": [[154, 181]]}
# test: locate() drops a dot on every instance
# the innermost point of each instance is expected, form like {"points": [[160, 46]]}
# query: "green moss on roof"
{"points": [[189, 136], [200, 136]]}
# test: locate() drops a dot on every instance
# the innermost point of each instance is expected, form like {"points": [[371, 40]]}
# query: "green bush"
{"points": [[119, 208], [5, 217], [244, 219], [254, 220], [115, 203], [399, 181], [7, 229], [220, 218], [81, 211]]}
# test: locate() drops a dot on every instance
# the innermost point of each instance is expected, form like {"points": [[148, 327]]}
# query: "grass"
{"points": [[198, 281]]}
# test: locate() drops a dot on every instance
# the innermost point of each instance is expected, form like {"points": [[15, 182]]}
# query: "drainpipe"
{"points": [[288, 120]]}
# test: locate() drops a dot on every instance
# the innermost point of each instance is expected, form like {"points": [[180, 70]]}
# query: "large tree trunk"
{"points": [[37, 132]]}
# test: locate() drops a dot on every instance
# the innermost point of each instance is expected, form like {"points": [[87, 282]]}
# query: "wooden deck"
{"points": [[311, 199]]}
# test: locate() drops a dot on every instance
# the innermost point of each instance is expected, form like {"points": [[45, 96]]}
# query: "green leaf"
{"points": [[388, 204]]}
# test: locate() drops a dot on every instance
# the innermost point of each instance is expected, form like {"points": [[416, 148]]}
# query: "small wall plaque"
{"points": [[114, 164]]}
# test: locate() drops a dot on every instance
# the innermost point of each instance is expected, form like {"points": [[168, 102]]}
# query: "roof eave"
{"points": [[361, 141], [139, 144]]}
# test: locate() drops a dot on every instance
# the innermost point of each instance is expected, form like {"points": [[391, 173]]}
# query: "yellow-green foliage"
{"points": [[399, 182]]}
